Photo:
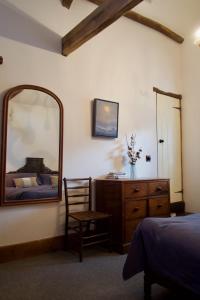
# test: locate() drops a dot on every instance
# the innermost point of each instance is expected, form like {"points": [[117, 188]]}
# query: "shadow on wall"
{"points": [[117, 156], [16, 25]]}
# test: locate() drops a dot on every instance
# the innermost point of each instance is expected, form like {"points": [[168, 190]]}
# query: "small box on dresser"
{"points": [[130, 201]]}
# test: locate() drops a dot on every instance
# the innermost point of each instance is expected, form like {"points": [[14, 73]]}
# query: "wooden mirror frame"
{"points": [[8, 96]]}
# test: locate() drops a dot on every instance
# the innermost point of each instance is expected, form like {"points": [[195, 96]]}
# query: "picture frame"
{"points": [[105, 118]]}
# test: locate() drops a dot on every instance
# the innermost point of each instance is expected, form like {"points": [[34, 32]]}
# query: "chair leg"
{"points": [[81, 242], [88, 227], [110, 234], [66, 240], [66, 243], [147, 287]]}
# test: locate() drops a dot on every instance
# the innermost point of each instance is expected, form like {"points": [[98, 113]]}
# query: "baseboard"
{"points": [[19, 251], [177, 207]]}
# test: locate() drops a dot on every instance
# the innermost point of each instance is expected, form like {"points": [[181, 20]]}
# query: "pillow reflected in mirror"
{"points": [[54, 180], [25, 182]]}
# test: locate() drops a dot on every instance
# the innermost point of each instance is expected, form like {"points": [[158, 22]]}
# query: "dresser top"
{"points": [[128, 179]]}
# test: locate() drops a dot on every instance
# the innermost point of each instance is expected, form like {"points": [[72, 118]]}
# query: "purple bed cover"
{"points": [[37, 192], [170, 247]]}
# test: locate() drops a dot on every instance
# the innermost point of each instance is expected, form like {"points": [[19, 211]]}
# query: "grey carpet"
{"points": [[59, 276]]}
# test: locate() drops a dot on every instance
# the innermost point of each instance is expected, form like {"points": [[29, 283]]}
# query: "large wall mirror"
{"points": [[32, 142]]}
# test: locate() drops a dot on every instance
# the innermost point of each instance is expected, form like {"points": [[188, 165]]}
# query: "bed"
{"points": [[44, 188], [168, 251]]}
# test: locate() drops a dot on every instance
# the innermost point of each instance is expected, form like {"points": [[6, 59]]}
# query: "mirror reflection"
{"points": [[32, 156]]}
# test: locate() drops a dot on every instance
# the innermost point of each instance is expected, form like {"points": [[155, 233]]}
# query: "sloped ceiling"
{"points": [[181, 16]]}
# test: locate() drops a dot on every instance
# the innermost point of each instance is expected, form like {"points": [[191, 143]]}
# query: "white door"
{"points": [[169, 143]]}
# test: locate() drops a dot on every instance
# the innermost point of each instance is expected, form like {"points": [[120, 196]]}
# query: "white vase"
{"points": [[132, 171]]}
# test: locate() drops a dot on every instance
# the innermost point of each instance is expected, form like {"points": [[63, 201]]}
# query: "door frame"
{"points": [[179, 97]]}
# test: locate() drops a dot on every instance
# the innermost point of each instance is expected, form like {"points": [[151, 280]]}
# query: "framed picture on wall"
{"points": [[105, 118]]}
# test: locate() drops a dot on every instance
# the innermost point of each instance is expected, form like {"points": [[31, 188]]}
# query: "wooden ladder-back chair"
{"points": [[88, 227]]}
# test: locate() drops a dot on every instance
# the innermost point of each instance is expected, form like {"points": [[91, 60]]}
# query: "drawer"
{"points": [[134, 189], [158, 188], [158, 207], [135, 209], [130, 227]]}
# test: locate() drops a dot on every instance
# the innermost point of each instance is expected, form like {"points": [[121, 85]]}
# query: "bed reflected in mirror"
{"points": [[32, 152]]}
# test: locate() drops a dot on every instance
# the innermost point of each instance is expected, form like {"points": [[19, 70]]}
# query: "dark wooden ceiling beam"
{"points": [[67, 3], [149, 23], [107, 13], [154, 25]]}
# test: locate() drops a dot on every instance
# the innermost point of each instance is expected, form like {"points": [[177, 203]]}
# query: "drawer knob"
{"points": [[136, 190], [159, 206], [159, 188], [135, 209]]}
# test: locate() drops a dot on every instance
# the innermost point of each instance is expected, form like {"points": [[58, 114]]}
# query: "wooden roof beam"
{"points": [[103, 16], [149, 23]]}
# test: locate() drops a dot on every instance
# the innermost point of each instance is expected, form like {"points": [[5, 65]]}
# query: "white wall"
{"points": [[191, 112], [122, 64]]}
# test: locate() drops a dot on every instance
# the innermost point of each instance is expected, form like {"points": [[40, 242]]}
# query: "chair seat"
{"points": [[89, 215]]}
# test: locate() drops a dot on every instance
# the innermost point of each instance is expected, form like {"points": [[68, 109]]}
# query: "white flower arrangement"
{"points": [[132, 153]]}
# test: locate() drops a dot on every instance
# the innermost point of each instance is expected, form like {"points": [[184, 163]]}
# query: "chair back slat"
{"points": [[78, 179], [78, 187], [78, 195], [72, 186], [79, 203]]}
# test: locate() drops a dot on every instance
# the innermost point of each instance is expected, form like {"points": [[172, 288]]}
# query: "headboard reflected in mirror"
{"points": [[32, 146]]}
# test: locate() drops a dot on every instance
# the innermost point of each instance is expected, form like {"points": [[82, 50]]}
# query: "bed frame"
{"points": [[35, 165], [151, 278]]}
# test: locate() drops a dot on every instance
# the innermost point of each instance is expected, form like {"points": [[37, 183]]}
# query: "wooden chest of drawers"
{"points": [[129, 201]]}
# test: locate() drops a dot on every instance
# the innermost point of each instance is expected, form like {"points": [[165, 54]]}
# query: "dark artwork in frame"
{"points": [[105, 118]]}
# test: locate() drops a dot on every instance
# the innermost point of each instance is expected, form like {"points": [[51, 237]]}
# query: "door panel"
{"points": [[169, 143]]}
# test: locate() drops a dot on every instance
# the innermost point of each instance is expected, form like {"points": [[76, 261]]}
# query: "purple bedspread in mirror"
{"points": [[169, 247], [37, 192]]}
